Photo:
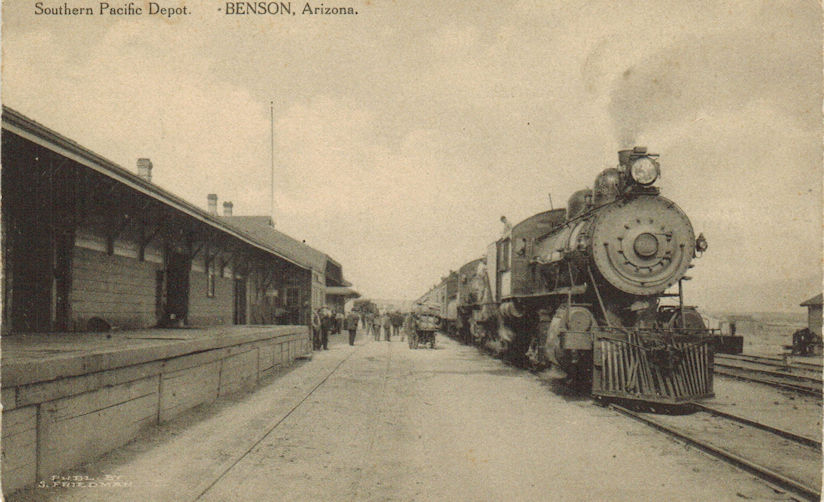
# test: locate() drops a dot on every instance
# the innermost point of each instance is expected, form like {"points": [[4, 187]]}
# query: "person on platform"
{"points": [[316, 326], [376, 326], [397, 320], [339, 318], [326, 325], [408, 325], [352, 326], [386, 321]]}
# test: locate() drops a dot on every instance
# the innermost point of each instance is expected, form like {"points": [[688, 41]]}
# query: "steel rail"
{"points": [[772, 361], [271, 428], [781, 385], [790, 376], [766, 474], [806, 441]]}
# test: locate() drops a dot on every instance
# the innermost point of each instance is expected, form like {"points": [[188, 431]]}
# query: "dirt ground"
{"points": [[784, 409], [381, 422]]}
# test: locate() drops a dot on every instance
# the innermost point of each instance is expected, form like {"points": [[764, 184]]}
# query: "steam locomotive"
{"points": [[584, 290]]}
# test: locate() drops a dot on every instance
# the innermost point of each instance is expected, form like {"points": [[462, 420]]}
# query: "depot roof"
{"points": [[814, 301], [17, 123]]}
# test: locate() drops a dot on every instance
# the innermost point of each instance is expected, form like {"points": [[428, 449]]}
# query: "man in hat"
{"points": [[326, 325], [376, 326], [352, 326], [397, 320], [316, 327], [386, 321]]}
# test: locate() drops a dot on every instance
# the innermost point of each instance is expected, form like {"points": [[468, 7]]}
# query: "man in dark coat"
{"points": [[397, 321], [386, 321], [352, 326], [326, 325]]}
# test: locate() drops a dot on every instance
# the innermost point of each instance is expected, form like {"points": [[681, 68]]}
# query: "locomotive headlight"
{"points": [[644, 171]]}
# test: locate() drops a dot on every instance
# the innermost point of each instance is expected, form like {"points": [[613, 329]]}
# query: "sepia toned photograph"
{"points": [[397, 250]]}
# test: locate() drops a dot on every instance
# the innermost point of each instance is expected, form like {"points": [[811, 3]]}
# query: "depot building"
{"points": [[87, 243]]}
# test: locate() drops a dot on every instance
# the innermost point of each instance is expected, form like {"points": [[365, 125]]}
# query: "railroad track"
{"points": [[804, 377], [781, 458], [776, 362]]}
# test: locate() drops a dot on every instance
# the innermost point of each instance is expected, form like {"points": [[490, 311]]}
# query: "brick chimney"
{"points": [[227, 208], [212, 200], [144, 169]]}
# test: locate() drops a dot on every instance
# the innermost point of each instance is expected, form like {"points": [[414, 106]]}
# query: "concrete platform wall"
{"points": [[52, 426]]}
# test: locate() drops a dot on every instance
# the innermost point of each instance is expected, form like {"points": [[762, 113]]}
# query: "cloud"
{"points": [[402, 138], [704, 74]]}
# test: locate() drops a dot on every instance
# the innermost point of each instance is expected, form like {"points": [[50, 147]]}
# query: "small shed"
{"points": [[814, 313]]}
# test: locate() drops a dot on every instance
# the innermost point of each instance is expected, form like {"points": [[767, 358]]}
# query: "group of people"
{"points": [[391, 323], [326, 322]]}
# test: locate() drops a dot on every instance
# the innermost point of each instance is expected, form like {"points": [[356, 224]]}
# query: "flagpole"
{"points": [[272, 159]]}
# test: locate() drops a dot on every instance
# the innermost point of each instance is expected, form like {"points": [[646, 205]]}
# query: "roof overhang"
{"points": [[814, 301], [342, 291]]}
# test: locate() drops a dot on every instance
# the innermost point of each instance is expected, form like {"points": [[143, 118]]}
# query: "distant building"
{"points": [[328, 287], [390, 305], [814, 313]]}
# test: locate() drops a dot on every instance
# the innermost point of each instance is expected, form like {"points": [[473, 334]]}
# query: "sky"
{"points": [[404, 132]]}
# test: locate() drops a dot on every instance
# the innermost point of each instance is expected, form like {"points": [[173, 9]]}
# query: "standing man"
{"points": [[408, 326], [352, 326], [397, 319], [387, 326], [326, 324], [376, 326], [316, 326]]}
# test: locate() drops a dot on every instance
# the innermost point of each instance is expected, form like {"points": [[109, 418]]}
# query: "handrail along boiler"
{"points": [[580, 289]]}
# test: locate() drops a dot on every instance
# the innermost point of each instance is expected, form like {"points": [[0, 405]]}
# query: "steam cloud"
{"points": [[723, 72]]}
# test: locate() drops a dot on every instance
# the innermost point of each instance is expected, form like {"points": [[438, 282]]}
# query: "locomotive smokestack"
{"points": [[623, 157]]}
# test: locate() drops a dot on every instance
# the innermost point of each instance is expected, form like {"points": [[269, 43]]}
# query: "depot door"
{"points": [[177, 287], [239, 310]]}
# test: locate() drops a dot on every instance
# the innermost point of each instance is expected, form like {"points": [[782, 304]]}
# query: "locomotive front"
{"points": [[602, 275]]}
